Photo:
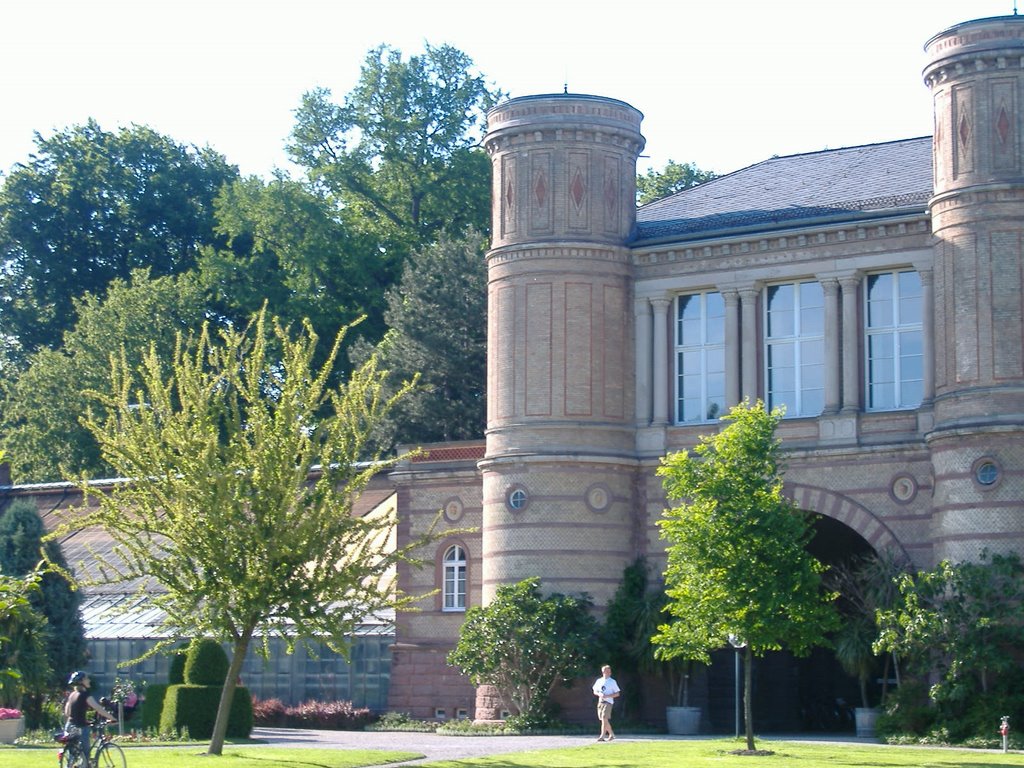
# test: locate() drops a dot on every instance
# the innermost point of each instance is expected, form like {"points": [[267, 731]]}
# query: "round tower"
{"points": [[976, 74], [559, 472]]}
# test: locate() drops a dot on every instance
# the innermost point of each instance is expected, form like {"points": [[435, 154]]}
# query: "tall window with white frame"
{"points": [[795, 348], [894, 341], [700, 357], [454, 579]]}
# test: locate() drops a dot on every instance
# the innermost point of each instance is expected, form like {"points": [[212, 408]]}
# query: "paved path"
{"points": [[435, 747]]}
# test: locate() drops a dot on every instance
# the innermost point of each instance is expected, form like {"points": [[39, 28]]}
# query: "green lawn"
{"points": [[715, 754], [233, 757], [641, 753]]}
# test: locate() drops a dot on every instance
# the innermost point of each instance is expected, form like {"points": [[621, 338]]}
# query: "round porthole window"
{"points": [[986, 473], [517, 499]]}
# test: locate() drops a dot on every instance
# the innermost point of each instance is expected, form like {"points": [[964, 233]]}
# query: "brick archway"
{"points": [[848, 512]]}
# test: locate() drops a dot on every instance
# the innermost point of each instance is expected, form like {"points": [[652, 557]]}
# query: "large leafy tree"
{"points": [[438, 313], [90, 206], [291, 249], [246, 465], [400, 154], [21, 544], [957, 621], [674, 177], [525, 644], [41, 409], [738, 566]]}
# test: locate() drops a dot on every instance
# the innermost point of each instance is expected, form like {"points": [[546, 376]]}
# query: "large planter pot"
{"points": [[683, 721], [865, 720], [11, 729]]}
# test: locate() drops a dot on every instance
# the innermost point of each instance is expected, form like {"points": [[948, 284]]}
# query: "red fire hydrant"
{"points": [[1004, 731]]}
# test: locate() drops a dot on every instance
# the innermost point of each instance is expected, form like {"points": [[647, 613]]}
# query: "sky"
{"points": [[722, 83]]}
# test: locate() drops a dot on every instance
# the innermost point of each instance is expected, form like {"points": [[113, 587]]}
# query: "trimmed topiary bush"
{"points": [[206, 663], [195, 707], [176, 673], [152, 705]]}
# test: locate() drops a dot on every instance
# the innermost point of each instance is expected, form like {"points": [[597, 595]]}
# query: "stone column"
{"points": [[927, 335], [662, 383], [644, 360], [851, 345], [732, 346], [833, 365], [749, 368]]}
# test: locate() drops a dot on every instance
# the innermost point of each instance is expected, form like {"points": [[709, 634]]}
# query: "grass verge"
{"points": [[233, 757], [628, 752]]}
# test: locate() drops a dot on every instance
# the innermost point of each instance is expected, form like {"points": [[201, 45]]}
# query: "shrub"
{"points": [[195, 707], [206, 663], [154, 704], [270, 713], [906, 710], [325, 715], [176, 672], [332, 715]]}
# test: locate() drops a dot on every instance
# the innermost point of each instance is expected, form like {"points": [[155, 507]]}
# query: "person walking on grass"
{"points": [[606, 690]]}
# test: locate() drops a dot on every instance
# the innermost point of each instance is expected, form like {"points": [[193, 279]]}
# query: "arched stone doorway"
{"points": [[812, 694]]}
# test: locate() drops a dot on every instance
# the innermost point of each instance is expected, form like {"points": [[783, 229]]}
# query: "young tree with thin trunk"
{"points": [[245, 465], [738, 567]]}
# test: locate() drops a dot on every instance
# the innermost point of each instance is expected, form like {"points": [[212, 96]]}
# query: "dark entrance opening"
{"points": [[793, 695]]}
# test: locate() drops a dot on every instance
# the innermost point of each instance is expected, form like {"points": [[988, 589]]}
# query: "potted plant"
{"points": [[866, 584], [12, 725]]}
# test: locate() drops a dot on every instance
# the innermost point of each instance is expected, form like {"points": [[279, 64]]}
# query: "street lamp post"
{"points": [[738, 645]]}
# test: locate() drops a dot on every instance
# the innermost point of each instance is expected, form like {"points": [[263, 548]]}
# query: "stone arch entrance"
{"points": [[812, 694], [845, 510]]}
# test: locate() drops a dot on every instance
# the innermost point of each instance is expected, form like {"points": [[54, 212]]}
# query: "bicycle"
{"points": [[105, 753]]}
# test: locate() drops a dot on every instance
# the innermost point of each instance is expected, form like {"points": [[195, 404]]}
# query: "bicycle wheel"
{"points": [[110, 756], [71, 758]]}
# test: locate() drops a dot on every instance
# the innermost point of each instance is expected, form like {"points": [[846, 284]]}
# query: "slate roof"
{"points": [[834, 184]]}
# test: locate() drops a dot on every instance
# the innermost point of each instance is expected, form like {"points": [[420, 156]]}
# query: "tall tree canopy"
{"points": [[89, 207], [675, 177], [438, 313], [246, 466], [400, 154], [292, 249], [738, 566], [42, 408]]}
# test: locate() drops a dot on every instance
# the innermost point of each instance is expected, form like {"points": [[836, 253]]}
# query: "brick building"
{"points": [[874, 291]]}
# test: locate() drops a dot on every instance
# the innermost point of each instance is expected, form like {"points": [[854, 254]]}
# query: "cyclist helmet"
{"points": [[77, 677]]}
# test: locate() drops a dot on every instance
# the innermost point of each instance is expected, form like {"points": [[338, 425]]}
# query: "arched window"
{"points": [[454, 585]]}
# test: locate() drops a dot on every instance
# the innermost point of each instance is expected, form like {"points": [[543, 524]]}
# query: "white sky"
{"points": [[722, 83]]}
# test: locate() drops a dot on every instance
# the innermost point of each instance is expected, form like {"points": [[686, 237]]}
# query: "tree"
{"points": [[41, 409], [23, 666], [89, 207], [525, 644], [245, 468], [866, 585], [21, 545], [631, 620], [439, 317], [654, 185], [737, 560], [957, 621], [401, 153]]}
